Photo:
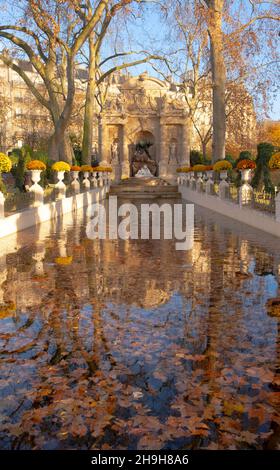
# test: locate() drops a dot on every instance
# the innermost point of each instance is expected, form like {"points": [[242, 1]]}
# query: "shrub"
{"points": [[222, 165], [61, 166], [245, 155], [41, 155], [3, 188], [196, 157], [24, 156], [262, 174], [229, 158]]}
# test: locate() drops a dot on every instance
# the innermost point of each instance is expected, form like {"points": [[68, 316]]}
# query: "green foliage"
{"points": [[25, 154], [77, 149], [3, 188], [41, 155], [196, 157], [77, 157], [245, 155], [262, 172], [230, 159]]}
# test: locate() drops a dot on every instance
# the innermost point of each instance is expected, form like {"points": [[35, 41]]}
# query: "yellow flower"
{"points": [[199, 168], [61, 166], [274, 162], [64, 260], [185, 169], [5, 163], [87, 168], [222, 165], [102, 168]]}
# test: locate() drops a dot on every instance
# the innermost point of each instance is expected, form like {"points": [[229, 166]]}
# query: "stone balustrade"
{"points": [[252, 204], [60, 188]]}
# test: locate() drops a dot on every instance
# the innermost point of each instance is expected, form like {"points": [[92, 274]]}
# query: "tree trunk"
{"points": [[218, 78], [60, 147], [89, 108], [204, 150]]}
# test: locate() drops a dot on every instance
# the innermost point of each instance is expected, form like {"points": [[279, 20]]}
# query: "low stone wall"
{"points": [[36, 215], [254, 218]]}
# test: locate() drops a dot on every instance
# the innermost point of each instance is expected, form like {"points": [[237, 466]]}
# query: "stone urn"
{"points": [[223, 175], [86, 182], [75, 184], [36, 188], [209, 174]]}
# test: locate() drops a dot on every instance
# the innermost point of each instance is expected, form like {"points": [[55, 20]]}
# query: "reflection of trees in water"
{"points": [[110, 331]]}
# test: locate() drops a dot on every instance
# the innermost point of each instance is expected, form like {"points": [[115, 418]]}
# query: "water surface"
{"points": [[134, 345]]}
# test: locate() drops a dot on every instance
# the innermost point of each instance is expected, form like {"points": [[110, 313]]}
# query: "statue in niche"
{"points": [[142, 158], [120, 104], [172, 158], [115, 152]]}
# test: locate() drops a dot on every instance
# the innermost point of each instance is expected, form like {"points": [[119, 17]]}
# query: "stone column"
{"points": [[185, 144], [163, 150], [125, 170], [103, 154]]}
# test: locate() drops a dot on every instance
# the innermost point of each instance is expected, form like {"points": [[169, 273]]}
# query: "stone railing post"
{"points": [[223, 186], [277, 207], [75, 183], [192, 181], [60, 185], [2, 201], [209, 189], [86, 182], [94, 179], [199, 182], [246, 190]]}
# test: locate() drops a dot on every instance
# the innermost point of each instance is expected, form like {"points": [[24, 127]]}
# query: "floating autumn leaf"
{"points": [[232, 407]]}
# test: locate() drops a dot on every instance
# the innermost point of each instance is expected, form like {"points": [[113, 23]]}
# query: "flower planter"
{"points": [[36, 188], [223, 175]]}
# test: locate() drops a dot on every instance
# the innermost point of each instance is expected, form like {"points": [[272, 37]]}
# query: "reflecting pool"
{"points": [[134, 345]]}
